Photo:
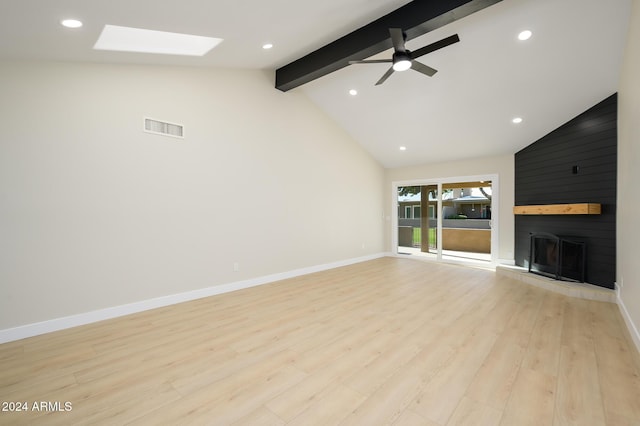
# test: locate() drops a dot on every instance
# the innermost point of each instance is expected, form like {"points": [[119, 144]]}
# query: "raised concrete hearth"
{"points": [[572, 289]]}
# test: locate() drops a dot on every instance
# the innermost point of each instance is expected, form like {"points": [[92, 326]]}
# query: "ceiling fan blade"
{"points": [[385, 76], [420, 67], [397, 37], [372, 61], [435, 46]]}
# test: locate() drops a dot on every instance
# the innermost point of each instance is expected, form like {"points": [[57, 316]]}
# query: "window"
{"points": [[416, 212]]}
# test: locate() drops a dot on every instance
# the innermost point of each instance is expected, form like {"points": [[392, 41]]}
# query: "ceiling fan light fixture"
{"points": [[402, 65], [401, 61]]}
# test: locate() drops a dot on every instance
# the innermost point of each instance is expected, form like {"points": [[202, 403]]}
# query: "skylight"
{"points": [[126, 39]]}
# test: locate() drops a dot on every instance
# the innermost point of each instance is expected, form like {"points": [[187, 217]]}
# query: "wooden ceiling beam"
{"points": [[415, 18]]}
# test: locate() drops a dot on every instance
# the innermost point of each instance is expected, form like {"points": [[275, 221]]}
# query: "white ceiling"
{"points": [[572, 62]]}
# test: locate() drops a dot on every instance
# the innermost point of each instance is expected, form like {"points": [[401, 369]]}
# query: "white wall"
{"points": [[503, 166], [628, 227], [94, 213]]}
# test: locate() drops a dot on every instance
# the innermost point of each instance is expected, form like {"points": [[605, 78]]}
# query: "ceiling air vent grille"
{"points": [[163, 128]]}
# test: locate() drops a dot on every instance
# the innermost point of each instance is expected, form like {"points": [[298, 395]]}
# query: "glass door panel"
{"points": [[466, 220], [409, 219], [417, 219]]}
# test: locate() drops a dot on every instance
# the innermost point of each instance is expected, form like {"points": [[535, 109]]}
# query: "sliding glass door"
{"points": [[446, 220]]}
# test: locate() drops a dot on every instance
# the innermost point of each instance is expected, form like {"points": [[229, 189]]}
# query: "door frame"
{"points": [[495, 211]]}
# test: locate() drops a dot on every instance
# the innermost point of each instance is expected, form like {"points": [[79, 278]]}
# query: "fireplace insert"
{"points": [[562, 258]]}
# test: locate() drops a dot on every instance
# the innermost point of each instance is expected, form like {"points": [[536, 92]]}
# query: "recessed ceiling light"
{"points": [[524, 35], [267, 46], [403, 148], [126, 39], [71, 23], [517, 120], [353, 92]]}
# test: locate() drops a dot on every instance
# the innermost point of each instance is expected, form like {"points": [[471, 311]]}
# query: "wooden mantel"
{"points": [[584, 208]]}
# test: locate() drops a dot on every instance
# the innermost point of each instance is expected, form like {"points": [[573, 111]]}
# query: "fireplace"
{"points": [[558, 257]]}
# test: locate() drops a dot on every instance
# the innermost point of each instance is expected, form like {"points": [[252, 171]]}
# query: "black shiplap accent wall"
{"points": [[544, 174]]}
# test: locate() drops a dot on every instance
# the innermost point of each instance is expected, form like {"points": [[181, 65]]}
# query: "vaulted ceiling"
{"points": [[571, 62]]}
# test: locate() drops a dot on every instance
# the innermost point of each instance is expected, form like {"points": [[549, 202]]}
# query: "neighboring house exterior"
{"points": [[456, 202]]}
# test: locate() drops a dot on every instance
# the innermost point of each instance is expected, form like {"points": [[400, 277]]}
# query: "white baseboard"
{"points": [[633, 330], [30, 330]]}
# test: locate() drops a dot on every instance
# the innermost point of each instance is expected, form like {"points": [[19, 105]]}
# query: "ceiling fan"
{"points": [[403, 59]]}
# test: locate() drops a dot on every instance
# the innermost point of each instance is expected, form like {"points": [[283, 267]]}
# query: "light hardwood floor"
{"points": [[391, 341]]}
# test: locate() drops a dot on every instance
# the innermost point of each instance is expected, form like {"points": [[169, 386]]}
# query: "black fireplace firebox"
{"points": [[562, 258]]}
